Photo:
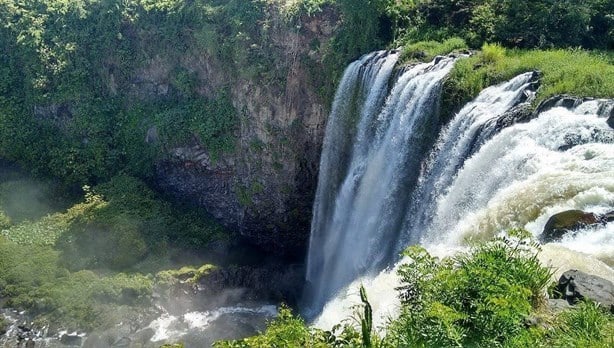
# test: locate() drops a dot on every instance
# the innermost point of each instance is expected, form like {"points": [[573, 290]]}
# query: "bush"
{"points": [[475, 299], [492, 54], [124, 221], [31, 279], [480, 298]]}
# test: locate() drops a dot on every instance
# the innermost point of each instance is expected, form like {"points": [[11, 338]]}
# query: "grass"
{"points": [[427, 50], [575, 72]]}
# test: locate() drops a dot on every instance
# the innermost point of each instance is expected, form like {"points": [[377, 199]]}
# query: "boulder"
{"points": [[575, 286], [571, 220], [565, 101]]}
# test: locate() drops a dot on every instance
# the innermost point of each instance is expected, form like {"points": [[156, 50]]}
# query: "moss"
{"points": [[186, 274]]}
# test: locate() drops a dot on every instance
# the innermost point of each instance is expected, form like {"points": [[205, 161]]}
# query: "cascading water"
{"points": [[472, 126], [530, 171], [479, 180], [371, 158]]}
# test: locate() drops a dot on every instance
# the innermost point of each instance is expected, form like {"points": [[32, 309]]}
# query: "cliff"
{"points": [[265, 188], [222, 105]]}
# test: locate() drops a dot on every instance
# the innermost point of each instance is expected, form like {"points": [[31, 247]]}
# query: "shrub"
{"points": [[478, 298], [491, 53]]}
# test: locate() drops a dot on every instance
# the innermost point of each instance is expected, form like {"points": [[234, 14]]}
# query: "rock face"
{"points": [[277, 284], [570, 221], [576, 286], [265, 188]]}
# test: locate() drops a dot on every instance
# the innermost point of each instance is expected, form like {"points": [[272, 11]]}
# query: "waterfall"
{"points": [[563, 159], [375, 140], [479, 181], [390, 178], [473, 125]]}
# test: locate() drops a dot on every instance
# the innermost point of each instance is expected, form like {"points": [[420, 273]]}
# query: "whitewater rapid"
{"points": [[479, 181]]}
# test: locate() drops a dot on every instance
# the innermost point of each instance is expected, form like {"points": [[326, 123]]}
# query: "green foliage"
{"points": [[366, 319], [175, 345], [576, 72], [187, 274], [31, 279], [584, 326], [475, 299], [285, 330], [245, 195], [427, 50], [79, 66], [514, 23], [492, 54], [46, 263], [480, 298], [5, 221], [124, 222]]}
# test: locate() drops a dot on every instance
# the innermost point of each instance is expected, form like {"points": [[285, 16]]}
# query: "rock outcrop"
{"points": [[265, 188], [575, 286], [571, 221]]}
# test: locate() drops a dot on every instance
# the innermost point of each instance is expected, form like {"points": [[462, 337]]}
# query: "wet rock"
{"points": [[95, 341], [595, 136], [568, 221], [565, 101], [604, 107], [575, 286], [122, 342], [611, 121], [275, 283], [143, 336], [71, 340]]}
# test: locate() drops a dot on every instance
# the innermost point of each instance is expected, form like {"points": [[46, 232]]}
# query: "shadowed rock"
{"points": [[575, 286]]}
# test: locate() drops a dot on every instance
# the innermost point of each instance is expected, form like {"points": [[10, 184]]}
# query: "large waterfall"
{"points": [[371, 158], [390, 178]]}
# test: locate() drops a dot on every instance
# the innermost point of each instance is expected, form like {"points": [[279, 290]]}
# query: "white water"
{"points": [[520, 178], [472, 126], [563, 159], [198, 325], [368, 165]]}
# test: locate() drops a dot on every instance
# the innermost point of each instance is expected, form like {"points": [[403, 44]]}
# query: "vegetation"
{"points": [[481, 298], [93, 93], [84, 267], [576, 72], [85, 70], [89, 90]]}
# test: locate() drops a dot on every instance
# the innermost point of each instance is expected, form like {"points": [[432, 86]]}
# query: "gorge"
{"points": [[243, 173]]}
